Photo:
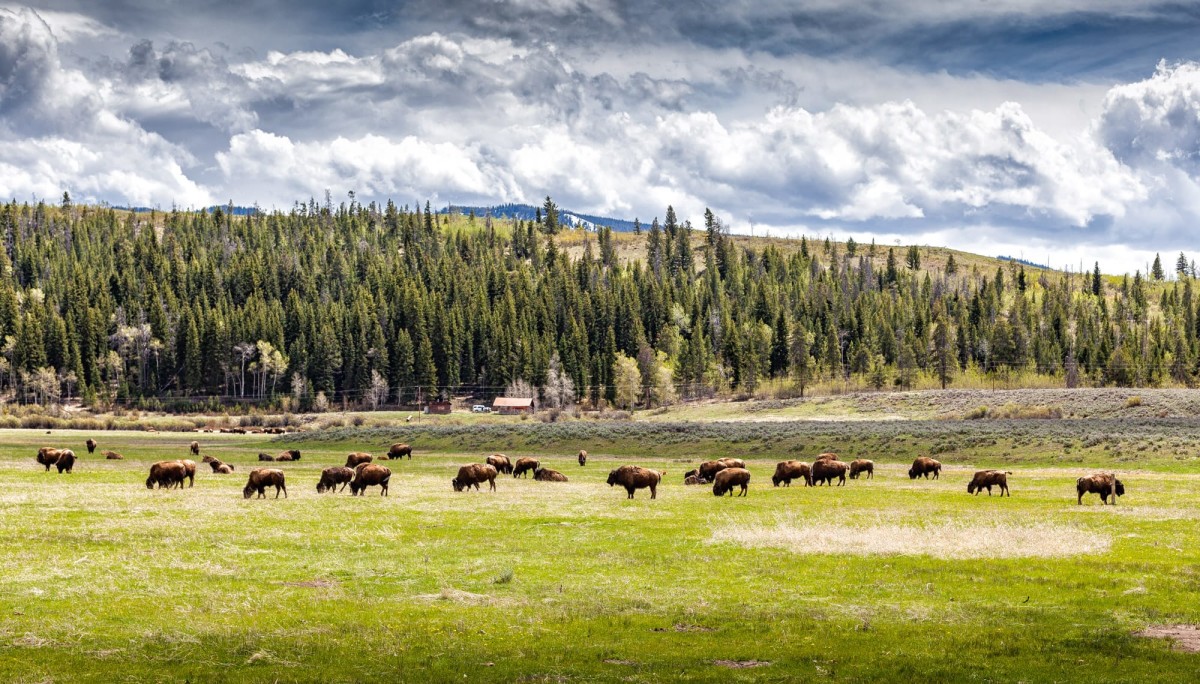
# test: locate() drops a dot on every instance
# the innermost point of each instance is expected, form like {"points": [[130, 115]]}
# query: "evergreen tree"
{"points": [[1156, 271]]}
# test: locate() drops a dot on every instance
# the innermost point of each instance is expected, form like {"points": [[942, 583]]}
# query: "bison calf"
{"points": [[986, 479], [370, 475], [633, 478], [260, 479], [332, 477], [473, 474], [729, 478]]}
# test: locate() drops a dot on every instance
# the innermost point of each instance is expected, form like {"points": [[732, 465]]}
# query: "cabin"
{"points": [[508, 406], [439, 407]]}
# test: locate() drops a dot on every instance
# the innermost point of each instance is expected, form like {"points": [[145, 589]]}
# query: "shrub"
{"points": [[976, 413], [1133, 401]]}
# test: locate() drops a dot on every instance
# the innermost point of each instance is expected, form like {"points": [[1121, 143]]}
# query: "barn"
{"points": [[508, 406]]}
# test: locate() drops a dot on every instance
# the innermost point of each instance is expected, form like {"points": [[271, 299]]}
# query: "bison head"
{"points": [[775, 480], [453, 483], [150, 482], [1120, 488], [971, 487], [248, 491], [718, 490], [612, 478], [912, 473], [320, 487]]}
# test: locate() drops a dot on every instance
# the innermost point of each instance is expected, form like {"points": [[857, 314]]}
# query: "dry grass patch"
{"points": [[1182, 637], [953, 540]]}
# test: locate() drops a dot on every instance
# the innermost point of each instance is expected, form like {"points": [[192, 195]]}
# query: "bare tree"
{"points": [[243, 351], [378, 392]]}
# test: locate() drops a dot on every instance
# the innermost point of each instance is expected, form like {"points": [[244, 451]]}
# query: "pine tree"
{"points": [[1096, 282], [1181, 264], [913, 259], [951, 265], [1156, 271]]}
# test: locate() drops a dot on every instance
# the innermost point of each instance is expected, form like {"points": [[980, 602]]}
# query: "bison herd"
{"points": [[724, 474]]}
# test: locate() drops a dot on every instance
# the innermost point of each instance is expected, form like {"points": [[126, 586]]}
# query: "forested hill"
{"points": [[370, 304]]}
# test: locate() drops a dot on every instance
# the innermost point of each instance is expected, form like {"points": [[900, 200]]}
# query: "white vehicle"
{"points": [[480, 408]]}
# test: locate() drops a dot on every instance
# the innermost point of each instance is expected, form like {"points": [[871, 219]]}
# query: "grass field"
{"points": [[887, 579]]}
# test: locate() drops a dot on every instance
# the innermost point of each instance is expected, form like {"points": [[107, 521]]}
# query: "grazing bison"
{"points": [[525, 465], [48, 456], [195, 448], [501, 463], [265, 457], [260, 479], [729, 478], [369, 475], [986, 479], [65, 462], [923, 465], [786, 471], [332, 477], [113, 456], [358, 458], [824, 471], [861, 465], [582, 457], [1104, 484], [91, 445], [399, 450], [166, 474], [633, 478], [473, 474], [189, 467], [547, 475], [709, 469]]}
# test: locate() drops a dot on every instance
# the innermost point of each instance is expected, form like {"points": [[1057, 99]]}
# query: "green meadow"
{"points": [[887, 579]]}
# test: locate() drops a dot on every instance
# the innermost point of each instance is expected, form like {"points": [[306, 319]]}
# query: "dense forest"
{"points": [[378, 305]]}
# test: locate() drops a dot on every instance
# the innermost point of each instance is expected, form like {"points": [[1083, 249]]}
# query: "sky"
{"points": [[1061, 131]]}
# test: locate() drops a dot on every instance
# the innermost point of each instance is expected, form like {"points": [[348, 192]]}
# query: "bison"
{"points": [[195, 448], [166, 474], [189, 467], [113, 456], [525, 465], [824, 471], [547, 475], [265, 457], [288, 455], [48, 456], [582, 457], [1104, 484], [633, 478], [65, 462], [501, 463], [91, 445], [861, 465], [217, 465], [986, 479], [692, 479], [709, 469], [923, 466], [827, 456], [332, 477], [786, 471], [260, 479], [473, 474], [369, 475], [729, 478], [224, 469], [399, 450], [358, 458]]}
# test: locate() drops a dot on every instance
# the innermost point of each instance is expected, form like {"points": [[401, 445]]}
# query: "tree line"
{"points": [[380, 304]]}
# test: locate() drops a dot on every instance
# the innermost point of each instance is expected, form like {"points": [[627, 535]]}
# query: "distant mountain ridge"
{"points": [[528, 212]]}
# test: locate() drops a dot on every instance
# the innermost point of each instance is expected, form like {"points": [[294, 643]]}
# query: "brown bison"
{"points": [[827, 456], [861, 465], [924, 466], [786, 471], [48, 456], [547, 475], [91, 445], [166, 474], [224, 469], [709, 469], [265, 457], [473, 474], [525, 465], [288, 455], [633, 478], [986, 479], [260, 479], [332, 477], [692, 480], [824, 471], [1105, 484], [582, 457], [189, 467], [369, 475], [501, 463], [195, 448], [399, 450], [65, 462], [113, 456], [358, 458], [217, 465], [729, 478]]}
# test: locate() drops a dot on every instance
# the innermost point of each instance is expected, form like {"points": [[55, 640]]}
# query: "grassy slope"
{"points": [[104, 580]]}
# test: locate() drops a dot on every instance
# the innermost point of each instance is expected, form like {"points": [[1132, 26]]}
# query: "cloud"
{"points": [[1156, 121]]}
